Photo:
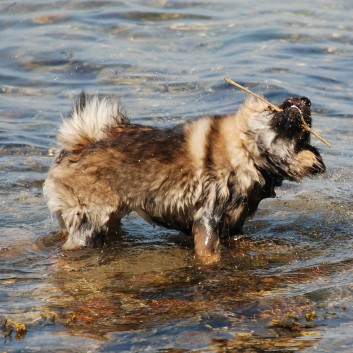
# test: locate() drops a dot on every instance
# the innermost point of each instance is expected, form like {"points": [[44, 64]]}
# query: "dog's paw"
{"points": [[72, 245], [208, 259], [305, 163], [310, 163], [81, 237]]}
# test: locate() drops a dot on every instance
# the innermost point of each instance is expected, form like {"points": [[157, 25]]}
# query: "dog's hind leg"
{"points": [[82, 236], [81, 232], [61, 222], [88, 228], [85, 227]]}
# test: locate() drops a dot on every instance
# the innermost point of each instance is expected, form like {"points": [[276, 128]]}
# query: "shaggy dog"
{"points": [[204, 177]]}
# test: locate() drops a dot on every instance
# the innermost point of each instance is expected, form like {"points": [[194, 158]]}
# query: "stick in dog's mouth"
{"points": [[278, 109]]}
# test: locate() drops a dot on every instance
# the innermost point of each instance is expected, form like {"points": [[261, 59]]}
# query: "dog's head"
{"points": [[288, 124], [283, 142], [301, 159]]}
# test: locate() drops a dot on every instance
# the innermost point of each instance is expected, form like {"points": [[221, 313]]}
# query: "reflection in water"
{"points": [[245, 301]]}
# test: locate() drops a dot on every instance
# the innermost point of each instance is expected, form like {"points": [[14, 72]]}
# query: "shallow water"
{"points": [[286, 286]]}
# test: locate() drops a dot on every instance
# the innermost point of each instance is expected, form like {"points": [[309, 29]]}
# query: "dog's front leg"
{"points": [[206, 238]]}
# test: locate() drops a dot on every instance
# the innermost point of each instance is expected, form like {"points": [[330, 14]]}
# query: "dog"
{"points": [[203, 177]]}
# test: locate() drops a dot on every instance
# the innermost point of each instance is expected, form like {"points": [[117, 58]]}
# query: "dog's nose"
{"points": [[305, 101]]}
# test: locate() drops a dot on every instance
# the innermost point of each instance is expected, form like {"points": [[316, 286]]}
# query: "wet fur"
{"points": [[204, 177]]}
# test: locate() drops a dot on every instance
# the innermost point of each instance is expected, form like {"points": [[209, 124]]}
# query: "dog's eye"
{"points": [[306, 101]]}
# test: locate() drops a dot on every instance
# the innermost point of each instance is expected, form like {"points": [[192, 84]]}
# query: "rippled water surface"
{"points": [[286, 286]]}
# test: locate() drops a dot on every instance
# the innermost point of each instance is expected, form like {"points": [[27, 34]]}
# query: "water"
{"points": [[285, 287]]}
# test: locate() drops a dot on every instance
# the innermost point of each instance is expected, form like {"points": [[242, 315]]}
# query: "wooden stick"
{"points": [[274, 107], [309, 129], [278, 109]]}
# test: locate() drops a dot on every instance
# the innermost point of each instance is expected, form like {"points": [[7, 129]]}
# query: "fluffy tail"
{"points": [[92, 119]]}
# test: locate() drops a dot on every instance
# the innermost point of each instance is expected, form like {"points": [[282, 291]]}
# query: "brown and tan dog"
{"points": [[204, 177]]}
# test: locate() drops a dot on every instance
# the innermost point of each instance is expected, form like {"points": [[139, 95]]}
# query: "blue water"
{"points": [[166, 60]]}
